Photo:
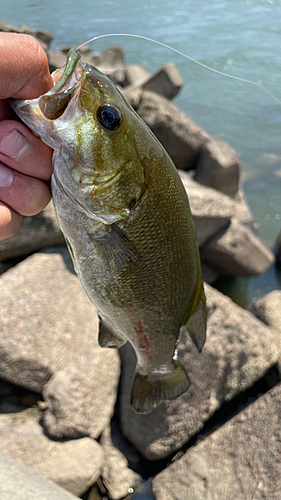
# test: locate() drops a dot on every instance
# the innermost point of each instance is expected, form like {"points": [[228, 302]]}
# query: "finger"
{"points": [[10, 221], [23, 151], [6, 112], [25, 195], [24, 67]]}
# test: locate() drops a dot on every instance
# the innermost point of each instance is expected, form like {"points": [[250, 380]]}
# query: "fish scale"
{"points": [[126, 218]]}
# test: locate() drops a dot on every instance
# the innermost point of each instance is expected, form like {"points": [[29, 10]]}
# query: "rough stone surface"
{"points": [[80, 399], [211, 210], [237, 251], [112, 58], [36, 232], [239, 461], [18, 482], [219, 167], [180, 136], [136, 74], [242, 211], [116, 475], [47, 322], [239, 350], [268, 310], [166, 82], [75, 465], [133, 95]]}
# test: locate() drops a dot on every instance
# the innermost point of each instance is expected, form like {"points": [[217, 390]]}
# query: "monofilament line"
{"points": [[237, 78]]}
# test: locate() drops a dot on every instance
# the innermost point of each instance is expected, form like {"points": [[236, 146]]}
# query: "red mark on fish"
{"points": [[144, 341]]}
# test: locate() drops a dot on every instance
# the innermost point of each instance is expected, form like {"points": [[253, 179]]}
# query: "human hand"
{"points": [[25, 161]]}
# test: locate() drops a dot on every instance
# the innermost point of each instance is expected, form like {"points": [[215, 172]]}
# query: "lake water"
{"points": [[239, 37]]}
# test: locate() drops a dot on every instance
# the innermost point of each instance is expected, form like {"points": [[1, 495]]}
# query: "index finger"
{"points": [[24, 67]]}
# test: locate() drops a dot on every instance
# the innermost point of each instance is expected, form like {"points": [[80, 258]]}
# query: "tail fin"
{"points": [[149, 390]]}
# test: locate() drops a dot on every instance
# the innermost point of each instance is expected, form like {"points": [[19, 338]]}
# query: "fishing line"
{"points": [[256, 84]]}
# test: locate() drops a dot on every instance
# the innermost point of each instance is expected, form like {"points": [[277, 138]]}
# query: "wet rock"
{"points": [[165, 82], [239, 461], [211, 210], [116, 475], [80, 399], [136, 74], [180, 136], [218, 166], [239, 350], [22, 483], [237, 252], [56, 60], [41, 230], [74, 465], [47, 322], [268, 310]]}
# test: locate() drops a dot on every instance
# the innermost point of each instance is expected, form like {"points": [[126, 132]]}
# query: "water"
{"points": [[239, 37]]}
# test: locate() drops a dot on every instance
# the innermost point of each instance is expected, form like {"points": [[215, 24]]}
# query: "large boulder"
{"points": [[211, 210], [75, 465], [180, 136], [22, 483], [47, 322], [218, 166], [268, 310], [80, 398], [41, 230], [239, 350], [239, 461], [236, 251]]}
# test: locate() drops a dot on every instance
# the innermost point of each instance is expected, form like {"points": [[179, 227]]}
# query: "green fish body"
{"points": [[126, 218]]}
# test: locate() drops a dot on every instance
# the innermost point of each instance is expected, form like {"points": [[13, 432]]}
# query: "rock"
{"points": [[239, 350], [208, 274], [41, 36], [118, 76], [180, 136], [165, 82], [116, 475], [113, 58], [278, 249], [237, 252], [80, 399], [268, 310], [22, 483], [133, 95], [44, 36], [136, 74], [239, 461], [211, 210], [41, 230], [74, 465], [56, 60], [47, 322], [242, 211], [218, 166]]}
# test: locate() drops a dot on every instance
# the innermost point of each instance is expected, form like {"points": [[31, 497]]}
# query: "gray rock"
{"points": [[218, 166], [180, 136], [166, 82], [268, 310], [41, 230], [237, 252], [242, 211], [116, 475], [74, 465], [211, 210], [18, 482], [47, 322], [208, 274], [112, 58], [44, 36], [239, 461], [133, 95], [136, 74], [118, 76], [56, 60], [80, 399], [239, 350]]}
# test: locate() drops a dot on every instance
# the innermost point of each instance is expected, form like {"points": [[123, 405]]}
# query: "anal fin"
{"points": [[149, 390], [107, 338], [197, 321]]}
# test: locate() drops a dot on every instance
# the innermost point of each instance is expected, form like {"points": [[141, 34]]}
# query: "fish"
{"points": [[127, 223]]}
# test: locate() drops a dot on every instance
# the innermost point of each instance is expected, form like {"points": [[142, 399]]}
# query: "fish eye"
{"points": [[109, 116]]}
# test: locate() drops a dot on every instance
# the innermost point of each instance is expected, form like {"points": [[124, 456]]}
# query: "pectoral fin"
{"points": [[197, 321], [107, 338]]}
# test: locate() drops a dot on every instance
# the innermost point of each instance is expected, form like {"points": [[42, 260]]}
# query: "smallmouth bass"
{"points": [[126, 219]]}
